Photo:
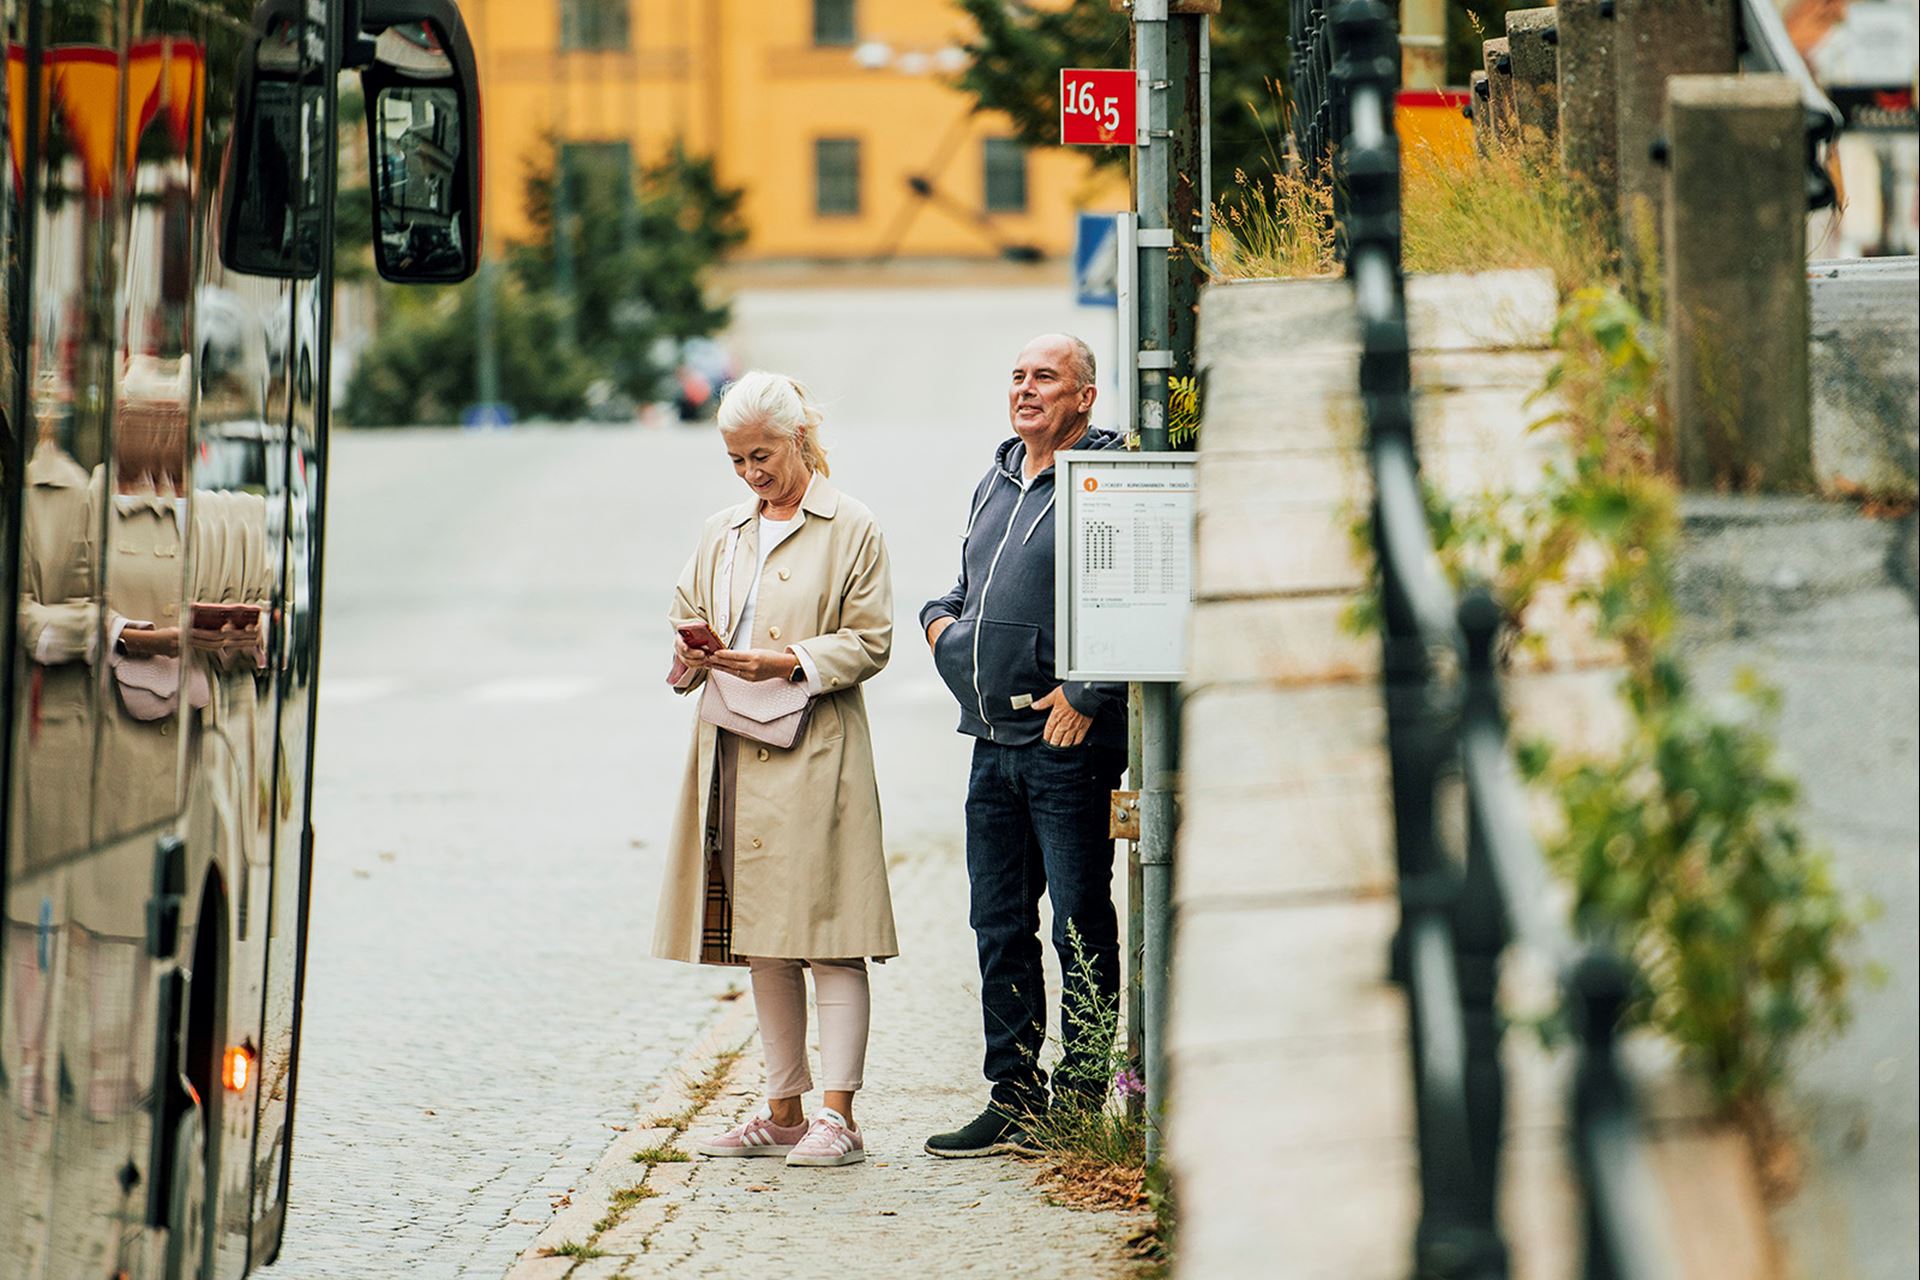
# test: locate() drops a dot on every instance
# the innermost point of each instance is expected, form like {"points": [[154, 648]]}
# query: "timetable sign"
{"points": [[1123, 568], [1097, 107]]}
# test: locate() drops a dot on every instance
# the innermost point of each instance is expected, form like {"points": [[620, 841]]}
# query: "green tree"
{"points": [[640, 242], [1019, 51]]}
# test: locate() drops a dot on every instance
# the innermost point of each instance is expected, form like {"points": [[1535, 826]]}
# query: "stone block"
{"points": [[1242, 551], [1589, 130], [1531, 36], [1284, 640], [1485, 310], [538, 1267], [1503, 128], [1236, 739], [1865, 371], [1284, 841], [1286, 980], [1654, 40], [1736, 282], [1348, 1216]]}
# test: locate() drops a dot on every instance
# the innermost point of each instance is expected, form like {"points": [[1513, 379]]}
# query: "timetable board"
{"points": [[1123, 564]]}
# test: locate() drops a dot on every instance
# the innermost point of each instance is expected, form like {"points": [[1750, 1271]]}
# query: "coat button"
{"points": [[756, 842], [763, 756], [835, 680], [785, 574], [773, 633]]}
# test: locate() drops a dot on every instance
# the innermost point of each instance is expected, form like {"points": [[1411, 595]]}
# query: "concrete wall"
{"points": [[1290, 1132]]}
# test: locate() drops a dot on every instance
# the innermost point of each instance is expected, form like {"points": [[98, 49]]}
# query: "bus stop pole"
{"points": [[1153, 173], [1173, 214]]}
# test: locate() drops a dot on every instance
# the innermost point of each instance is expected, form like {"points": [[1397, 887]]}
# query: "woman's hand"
{"points": [[695, 659], [755, 664], [150, 642]]}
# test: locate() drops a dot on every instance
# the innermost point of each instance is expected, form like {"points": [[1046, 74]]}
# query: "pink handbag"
{"points": [[773, 712], [770, 711]]}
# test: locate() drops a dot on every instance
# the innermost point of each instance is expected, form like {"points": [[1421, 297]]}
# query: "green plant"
{"points": [[1683, 844], [1685, 847], [574, 1249], [661, 1154], [1183, 412]]}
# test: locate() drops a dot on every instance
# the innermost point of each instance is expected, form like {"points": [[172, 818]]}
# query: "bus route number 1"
{"points": [[1096, 107]]}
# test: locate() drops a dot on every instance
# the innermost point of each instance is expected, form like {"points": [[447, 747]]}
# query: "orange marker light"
{"points": [[238, 1068]]}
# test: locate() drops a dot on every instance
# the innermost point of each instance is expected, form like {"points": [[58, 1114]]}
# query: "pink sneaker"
{"points": [[829, 1142], [759, 1136]]}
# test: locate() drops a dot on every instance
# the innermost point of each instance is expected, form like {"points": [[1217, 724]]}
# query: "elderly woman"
{"points": [[776, 860]]}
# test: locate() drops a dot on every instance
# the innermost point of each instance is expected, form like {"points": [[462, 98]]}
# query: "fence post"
{"points": [[1503, 126], [1653, 41], [1737, 281], [1536, 89], [1589, 139], [1480, 111]]}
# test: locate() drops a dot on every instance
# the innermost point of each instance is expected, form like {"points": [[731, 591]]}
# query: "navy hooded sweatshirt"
{"points": [[1001, 644]]}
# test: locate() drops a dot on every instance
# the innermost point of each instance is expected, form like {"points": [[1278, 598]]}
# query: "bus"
{"points": [[166, 302]]}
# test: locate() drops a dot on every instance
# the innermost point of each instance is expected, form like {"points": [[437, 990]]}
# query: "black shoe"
{"points": [[993, 1132]]}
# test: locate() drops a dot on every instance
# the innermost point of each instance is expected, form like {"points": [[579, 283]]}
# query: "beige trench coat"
{"points": [[810, 871]]}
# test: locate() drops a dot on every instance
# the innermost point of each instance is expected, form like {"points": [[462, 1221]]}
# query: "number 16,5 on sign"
{"points": [[1096, 107]]}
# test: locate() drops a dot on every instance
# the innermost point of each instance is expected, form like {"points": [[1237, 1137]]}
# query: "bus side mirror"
{"points": [[423, 136], [273, 192]]}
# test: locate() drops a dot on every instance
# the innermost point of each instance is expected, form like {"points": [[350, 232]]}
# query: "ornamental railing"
{"points": [[1472, 880]]}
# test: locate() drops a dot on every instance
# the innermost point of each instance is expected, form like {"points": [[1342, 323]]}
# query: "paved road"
{"points": [[498, 760]]}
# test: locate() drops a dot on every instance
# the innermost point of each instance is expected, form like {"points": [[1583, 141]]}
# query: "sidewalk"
{"points": [[901, 1213]]}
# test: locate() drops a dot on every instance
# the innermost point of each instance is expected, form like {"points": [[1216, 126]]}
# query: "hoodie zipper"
{"points": [[980, 618]]}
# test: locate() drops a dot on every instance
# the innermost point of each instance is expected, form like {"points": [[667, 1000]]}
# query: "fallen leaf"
{"points": [[388, 857], [428, 1111], [888, 1213], [759, 1186]]}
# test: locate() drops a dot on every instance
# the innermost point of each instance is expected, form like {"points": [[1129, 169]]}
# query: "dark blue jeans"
{"points": [[1037, 821]]}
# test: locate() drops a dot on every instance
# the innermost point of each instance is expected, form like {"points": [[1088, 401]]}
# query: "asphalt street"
{"points": [[499, 758]]}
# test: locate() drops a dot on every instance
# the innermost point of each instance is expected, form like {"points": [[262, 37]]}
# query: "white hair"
{"points": [[780, 404]]}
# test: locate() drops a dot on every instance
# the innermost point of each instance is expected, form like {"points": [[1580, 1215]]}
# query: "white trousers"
{"points": [[780, 999]]}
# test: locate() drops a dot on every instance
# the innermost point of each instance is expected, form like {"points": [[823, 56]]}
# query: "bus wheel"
{"points": [[187, 1212]]}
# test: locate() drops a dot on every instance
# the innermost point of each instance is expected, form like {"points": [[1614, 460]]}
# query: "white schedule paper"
{"points": [[1130, 566]]}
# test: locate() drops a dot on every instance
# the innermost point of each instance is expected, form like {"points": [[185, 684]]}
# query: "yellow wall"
{"points": [[743, 80]]}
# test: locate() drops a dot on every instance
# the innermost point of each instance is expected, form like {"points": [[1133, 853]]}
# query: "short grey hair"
{"points": [[1084, 369]]}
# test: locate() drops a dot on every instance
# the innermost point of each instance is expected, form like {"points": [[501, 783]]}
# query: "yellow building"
{"points": [[827, 113]]}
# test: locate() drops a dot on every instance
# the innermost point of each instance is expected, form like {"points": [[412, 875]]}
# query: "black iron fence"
{"points": [[1471, 877]]}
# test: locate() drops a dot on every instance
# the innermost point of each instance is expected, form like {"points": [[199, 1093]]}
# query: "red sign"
{"points": [[1096, 107]]}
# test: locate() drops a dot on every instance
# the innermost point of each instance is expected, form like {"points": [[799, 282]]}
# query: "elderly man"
{"points": [[1045, 757]]}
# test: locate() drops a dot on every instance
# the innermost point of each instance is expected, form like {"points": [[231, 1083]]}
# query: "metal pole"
{"points": [[1153, 176], [486, 339]]}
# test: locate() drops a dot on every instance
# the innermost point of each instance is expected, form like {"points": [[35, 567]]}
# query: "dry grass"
{"points": [[1465, 213], [1460, 213], [1280, 228]]}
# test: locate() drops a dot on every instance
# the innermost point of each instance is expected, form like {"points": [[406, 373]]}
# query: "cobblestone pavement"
{"points": [[497, 766], [902, 1212]]}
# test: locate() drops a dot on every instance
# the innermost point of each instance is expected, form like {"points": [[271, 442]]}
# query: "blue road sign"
{"points": [[1095, 267]]}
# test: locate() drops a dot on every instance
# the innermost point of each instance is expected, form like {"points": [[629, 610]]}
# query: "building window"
{"points": [[1006, 163], [836, 176], [833, 22], [587, 25]]}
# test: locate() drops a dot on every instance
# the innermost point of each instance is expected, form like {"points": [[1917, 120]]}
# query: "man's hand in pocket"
{"points": [[1065, 726]]}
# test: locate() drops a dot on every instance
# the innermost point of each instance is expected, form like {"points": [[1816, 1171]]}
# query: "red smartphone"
{"points": [[700, 636]]}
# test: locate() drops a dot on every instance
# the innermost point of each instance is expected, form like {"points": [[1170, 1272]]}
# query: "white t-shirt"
{"points": [[772, 534]]}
